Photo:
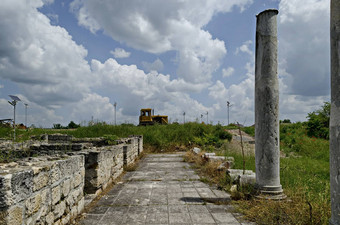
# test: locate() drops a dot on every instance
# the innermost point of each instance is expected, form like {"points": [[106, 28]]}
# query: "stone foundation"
{"points": [[50, 189]]}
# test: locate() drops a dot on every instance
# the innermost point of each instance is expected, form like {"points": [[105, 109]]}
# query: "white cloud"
{"points": [[120, 53], [303, 31], [43, 59], [245, 48], [93, 105], [60, 85], [160, 26], [157, 65], [140, 90], [228, 72]]}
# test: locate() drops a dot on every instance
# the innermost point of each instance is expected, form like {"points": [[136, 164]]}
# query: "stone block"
{"points": [[66, 219], [59, 209], [77, 180], [247, 179], [5, 182], [56, 194], [66, 187], [208, 154], [54, 174], [69, 166], [237, 176], [6, 199], [15, 216], [49, 218], [22, 184], [74, 211], [40, 180], [74, 196], [81, 205], [33, 204]]}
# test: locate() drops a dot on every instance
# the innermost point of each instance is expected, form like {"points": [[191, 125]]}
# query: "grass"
{"points": [[158, 136], [304, 177]]}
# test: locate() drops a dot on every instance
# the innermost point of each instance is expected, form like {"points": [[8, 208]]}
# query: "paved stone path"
{"points": [[163, 190]]}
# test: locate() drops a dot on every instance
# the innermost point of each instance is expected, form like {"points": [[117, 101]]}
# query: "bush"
{"points": [[249, 130], [318, 122]]}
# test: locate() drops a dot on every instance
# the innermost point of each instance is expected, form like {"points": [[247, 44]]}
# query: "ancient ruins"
{"points": [[48, 186]]}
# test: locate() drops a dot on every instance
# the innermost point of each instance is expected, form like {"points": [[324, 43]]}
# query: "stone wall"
{"points": [[42, 192], [132, 147], [102, 166], [50, 189]]}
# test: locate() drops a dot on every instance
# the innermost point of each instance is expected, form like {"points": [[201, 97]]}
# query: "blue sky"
{"points": [[72, 60]]}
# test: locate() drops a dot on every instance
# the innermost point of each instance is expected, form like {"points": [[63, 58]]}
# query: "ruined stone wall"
{"points": [[42, 192], [131, 148], [50, 189], [102, 166]]}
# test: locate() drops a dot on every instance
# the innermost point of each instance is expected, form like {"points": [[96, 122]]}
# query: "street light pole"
{"points": [[183, 117], [14, 103], [26, 115], [207, 118], [228, 105], [115, 105]]}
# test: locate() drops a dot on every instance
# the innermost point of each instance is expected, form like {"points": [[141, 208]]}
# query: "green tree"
{"points": [[318, 122], [72, 125]]}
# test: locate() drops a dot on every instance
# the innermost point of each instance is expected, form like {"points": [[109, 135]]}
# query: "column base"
{"points": [[331, 222], [271, 192]]}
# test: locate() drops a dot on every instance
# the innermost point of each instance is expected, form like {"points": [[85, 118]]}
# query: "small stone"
{"points": [[233, 188], [196, 150]]}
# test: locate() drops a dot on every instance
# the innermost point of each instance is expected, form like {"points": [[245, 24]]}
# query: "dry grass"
{"points": [[206, 169], [293, 211]]}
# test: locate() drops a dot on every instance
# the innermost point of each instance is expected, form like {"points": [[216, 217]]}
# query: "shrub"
{"points": [[318, 122]]}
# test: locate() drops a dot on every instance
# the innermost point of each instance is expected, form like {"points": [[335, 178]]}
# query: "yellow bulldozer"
{"points": [[147, 117]]}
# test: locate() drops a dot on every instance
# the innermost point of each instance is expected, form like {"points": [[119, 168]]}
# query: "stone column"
{"points": [[267, 149], [334, 134]]}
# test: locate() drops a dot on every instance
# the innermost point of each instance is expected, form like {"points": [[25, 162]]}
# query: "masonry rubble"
{"points": [[240, 177], [50, 188]]}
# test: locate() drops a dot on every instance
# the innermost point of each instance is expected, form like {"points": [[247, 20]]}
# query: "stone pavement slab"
{"points": [[163, 190]]}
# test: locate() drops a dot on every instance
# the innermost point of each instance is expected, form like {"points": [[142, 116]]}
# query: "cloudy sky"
{"points": [[72, 60]]}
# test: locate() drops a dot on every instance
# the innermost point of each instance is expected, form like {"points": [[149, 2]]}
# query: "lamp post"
{"points": [[115, 105], [228, 105], [183, 117], [14, 101], [26, 114], [207, 118]]}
